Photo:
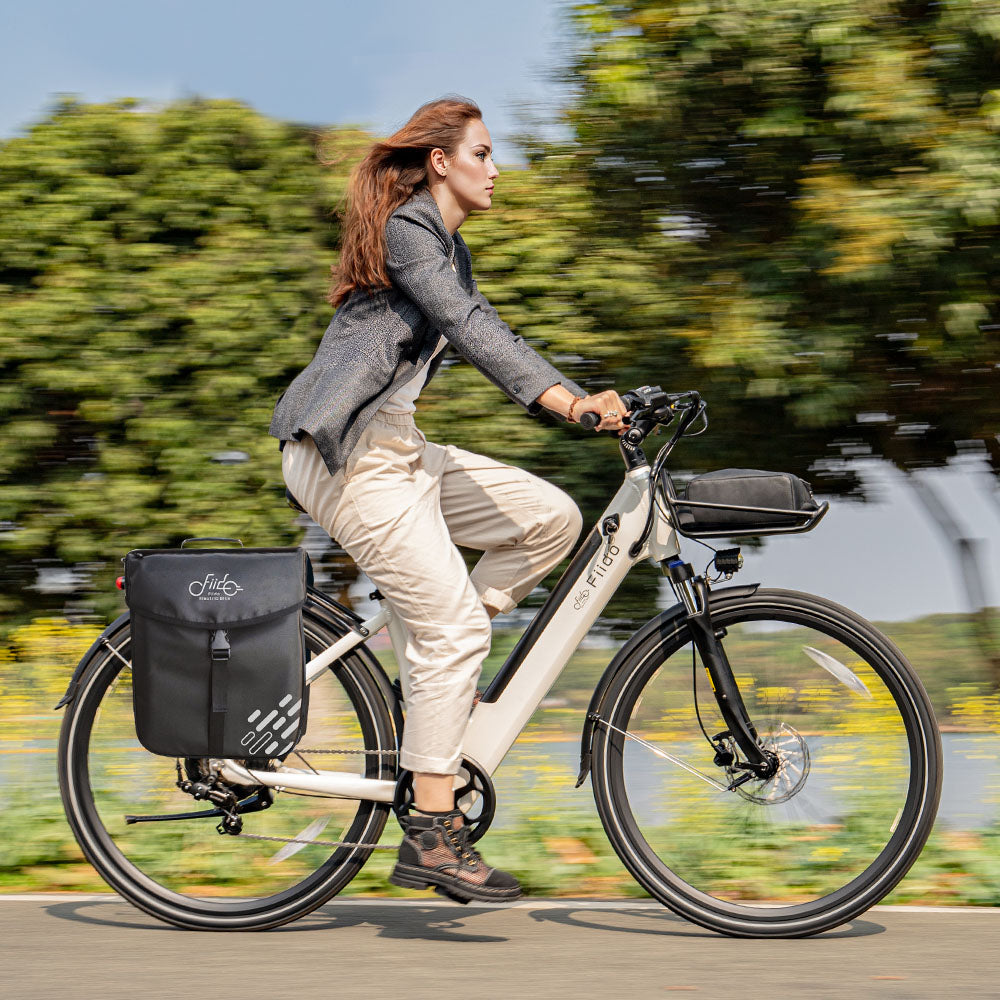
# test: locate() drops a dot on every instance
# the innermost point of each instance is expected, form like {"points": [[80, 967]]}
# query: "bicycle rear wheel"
{"points": [[833, 831], [184, 871]]}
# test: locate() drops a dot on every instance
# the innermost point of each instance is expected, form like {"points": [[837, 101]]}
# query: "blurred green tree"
{"points": [[823, 179], [160, 283], [791, 207], [823, 182]]}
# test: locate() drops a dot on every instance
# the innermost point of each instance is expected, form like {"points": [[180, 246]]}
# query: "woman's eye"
{"points": [[481, 156]]}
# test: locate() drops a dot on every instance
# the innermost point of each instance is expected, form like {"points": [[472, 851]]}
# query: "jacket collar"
{"points": [[424, 209]]}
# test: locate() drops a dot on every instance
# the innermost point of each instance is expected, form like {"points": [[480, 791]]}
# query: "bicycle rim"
{"points": [[184, 871], [832, 832]]}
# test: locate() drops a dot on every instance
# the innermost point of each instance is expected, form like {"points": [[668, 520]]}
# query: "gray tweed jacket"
{"points": [[377, 342]]}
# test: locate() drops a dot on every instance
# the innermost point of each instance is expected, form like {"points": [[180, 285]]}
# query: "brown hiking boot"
{"points": [[436, 853]]}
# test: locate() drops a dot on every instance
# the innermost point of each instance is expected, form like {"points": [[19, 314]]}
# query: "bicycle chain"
{"points": [[330, 843], [319, 843]]}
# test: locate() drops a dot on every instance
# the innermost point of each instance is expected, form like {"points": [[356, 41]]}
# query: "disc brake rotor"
{"points": [[793, 765]]}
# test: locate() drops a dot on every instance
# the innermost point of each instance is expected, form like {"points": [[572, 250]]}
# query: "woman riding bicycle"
{"points": [[398, 504]]}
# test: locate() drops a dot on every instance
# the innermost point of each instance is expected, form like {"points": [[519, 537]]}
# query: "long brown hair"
{"points": [[384, 180]]}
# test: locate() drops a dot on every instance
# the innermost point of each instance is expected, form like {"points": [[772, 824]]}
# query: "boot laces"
{"points": [[459, 840]]}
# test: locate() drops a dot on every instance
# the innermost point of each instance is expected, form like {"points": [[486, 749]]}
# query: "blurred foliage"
{"points": [[553, 850], [159, 281], [822, 182], [791, 207], [547, 832], [37, 660]]}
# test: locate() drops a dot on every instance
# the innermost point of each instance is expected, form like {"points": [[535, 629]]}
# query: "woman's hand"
{"points": [[608, 406]]}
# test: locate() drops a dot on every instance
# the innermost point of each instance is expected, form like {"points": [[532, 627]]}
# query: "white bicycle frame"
{"points": [[592, 578]]}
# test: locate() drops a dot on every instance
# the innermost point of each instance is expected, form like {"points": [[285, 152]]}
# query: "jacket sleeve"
{"points": [[421, 268]]}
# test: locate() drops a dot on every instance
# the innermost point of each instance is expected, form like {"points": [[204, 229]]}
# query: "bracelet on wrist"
{"points": [[572, 407]]}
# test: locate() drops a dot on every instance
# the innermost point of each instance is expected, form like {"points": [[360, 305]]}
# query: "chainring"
{"points": [[476, 797]]}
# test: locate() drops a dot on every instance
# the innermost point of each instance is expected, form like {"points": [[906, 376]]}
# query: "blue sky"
{"points": [[321, 63], [372, 64]]}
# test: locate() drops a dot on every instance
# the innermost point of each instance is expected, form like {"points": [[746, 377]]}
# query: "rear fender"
{"points": [[85, 660], [663, 623]]}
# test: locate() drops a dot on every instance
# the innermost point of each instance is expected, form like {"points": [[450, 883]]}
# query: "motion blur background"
{"points": [[791, 206]]}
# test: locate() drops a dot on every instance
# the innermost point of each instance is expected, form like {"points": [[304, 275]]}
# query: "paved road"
{"points": [[98, 946]]}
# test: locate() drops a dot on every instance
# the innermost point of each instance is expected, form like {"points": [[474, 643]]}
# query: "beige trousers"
{"points": [[399, 507]]}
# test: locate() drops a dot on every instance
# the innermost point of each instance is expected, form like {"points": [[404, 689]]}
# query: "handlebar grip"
{"points": [[589, 420]]}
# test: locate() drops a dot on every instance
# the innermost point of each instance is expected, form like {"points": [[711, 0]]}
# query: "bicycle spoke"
{"points": [[667, 756], [300, 840]]}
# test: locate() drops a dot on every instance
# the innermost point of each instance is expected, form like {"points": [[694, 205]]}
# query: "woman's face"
{"points": [[470, 170]]}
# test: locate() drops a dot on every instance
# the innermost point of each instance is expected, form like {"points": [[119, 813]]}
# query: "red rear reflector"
{"points": [[120, 583]]}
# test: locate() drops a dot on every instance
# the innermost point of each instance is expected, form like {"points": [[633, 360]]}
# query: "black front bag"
{"points": [[218, 656], [787, 502]]}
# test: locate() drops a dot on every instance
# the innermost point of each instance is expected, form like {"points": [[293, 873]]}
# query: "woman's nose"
{"points": [[493, 171]]}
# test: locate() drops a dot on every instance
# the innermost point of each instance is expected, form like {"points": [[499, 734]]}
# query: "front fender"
{"points": [[662, 623]]}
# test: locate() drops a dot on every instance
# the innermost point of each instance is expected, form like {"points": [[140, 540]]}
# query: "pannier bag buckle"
{"points": [[220, 645]]}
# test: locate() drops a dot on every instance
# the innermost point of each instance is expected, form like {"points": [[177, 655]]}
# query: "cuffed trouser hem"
{"points": [[419, 764], [496, 598]]}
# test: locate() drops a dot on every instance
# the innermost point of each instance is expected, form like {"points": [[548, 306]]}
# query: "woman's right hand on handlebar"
{"points": [[607, 406]]}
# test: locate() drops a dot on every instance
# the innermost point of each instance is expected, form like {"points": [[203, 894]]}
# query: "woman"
{"points": [[397, 504]]}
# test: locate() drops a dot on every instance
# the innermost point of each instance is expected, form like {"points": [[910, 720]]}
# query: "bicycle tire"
{"points": [[184, 872], [815, 846]]}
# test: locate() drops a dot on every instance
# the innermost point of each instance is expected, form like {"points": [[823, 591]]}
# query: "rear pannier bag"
{"points": [[218, 656], [745, 488]]}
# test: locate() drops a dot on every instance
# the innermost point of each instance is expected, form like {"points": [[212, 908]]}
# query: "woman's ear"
{"points": [[438, 162]]}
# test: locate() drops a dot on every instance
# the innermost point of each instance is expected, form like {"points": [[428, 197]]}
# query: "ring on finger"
{"points": [[611, 413]]}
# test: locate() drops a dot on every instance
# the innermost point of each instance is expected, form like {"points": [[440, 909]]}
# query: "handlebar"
{"points": [[649, 406]]}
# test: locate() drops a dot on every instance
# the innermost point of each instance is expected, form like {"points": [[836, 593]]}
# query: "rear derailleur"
{"points": [[203, 784]]}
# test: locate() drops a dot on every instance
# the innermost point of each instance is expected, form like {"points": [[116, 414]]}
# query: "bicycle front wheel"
{"points": [[836, 827], [184, 871]]}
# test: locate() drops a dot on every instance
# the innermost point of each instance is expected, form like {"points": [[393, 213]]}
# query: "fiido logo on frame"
{"points": [[598, 568], [214, 588]]}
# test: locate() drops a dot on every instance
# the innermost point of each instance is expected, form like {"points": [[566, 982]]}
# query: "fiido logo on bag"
{"points": [[214, 588]]}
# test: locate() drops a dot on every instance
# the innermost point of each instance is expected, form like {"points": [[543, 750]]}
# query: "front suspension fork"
{"points": [[693, 592]]}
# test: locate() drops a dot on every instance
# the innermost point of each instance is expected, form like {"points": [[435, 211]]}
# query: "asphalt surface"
{"points": [[99, 946]]}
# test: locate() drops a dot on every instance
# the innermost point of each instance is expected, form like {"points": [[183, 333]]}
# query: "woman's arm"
{"points": [[421, 269]]}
